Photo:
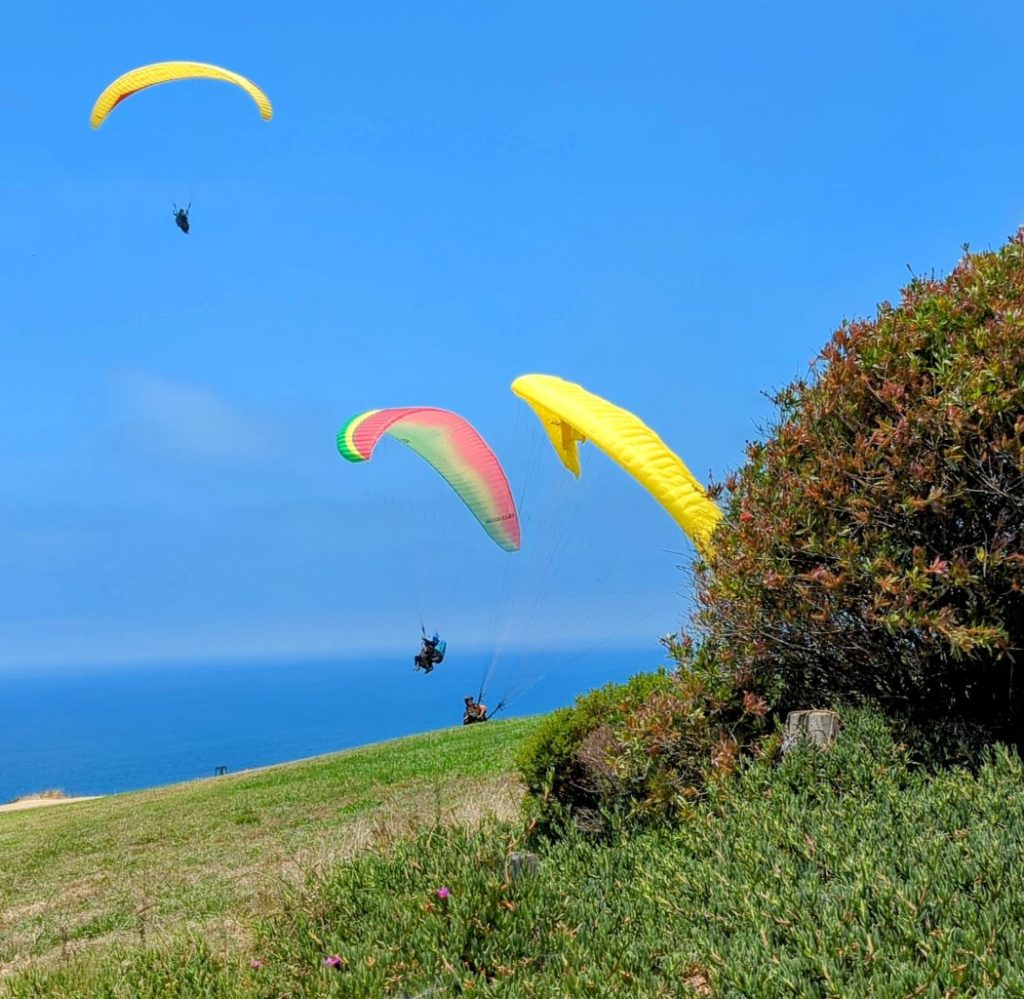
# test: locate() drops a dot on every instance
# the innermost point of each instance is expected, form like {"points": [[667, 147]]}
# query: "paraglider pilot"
{"points": [[181, 218], [474, 712], [431, 654]]}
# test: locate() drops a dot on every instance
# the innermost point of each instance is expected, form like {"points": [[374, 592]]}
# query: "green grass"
{"points": [[848, 873], [213, 853]]}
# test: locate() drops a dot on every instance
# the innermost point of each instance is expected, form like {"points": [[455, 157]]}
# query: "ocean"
{"points": [[103, 730]]}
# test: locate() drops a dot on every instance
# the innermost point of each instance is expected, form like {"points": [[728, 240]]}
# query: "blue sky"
{"points": [[671, 203]]}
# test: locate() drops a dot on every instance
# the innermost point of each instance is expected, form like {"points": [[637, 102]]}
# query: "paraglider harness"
{"points": [[432, 653], [475, 712], [181, 218]]}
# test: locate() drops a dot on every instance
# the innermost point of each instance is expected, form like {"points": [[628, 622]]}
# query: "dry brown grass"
{"points": [[54, 927]]}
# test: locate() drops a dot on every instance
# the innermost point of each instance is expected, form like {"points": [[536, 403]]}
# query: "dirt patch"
{"points": [[42, 800]]}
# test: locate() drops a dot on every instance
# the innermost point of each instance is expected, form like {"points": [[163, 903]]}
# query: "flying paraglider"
{"points": [[571, 415], [166, 72], [431, 653], [181, 218], [452, 446]]}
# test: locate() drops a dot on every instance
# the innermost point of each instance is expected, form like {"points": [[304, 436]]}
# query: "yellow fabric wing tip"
{"points": [[570, 414]]}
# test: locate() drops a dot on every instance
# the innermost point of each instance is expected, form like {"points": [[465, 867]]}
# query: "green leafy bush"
{"points": [[874, 547], [644, 749], [550, 759]]}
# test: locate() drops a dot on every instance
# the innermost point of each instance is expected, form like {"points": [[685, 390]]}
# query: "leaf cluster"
{"points": [[873, 548]]}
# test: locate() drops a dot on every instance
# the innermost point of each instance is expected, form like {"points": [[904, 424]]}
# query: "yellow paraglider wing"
{"points": [[164, 72], [571, 415]]}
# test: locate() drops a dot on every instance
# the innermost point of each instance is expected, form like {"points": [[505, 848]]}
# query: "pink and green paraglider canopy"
{"points": [[456, 451]]}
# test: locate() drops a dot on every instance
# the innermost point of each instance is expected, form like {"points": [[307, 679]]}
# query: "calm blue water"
{"points": [[114, 729]]}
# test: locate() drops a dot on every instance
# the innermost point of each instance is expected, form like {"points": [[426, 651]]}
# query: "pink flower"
{"points": [[334, 962], [443, 892], [256, 963]]}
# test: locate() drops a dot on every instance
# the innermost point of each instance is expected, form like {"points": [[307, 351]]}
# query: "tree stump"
{"points": [[820, 728], [521, 864]]}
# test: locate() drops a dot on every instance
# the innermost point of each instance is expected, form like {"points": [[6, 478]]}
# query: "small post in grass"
{"points": [[818, 727], [521, 864]]}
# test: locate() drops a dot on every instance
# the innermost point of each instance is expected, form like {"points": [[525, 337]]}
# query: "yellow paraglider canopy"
{"points": [[571, 415], [165, 72]]}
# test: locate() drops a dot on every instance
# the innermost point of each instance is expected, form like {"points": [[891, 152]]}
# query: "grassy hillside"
{"points": [[214, 852], [846, 873]]}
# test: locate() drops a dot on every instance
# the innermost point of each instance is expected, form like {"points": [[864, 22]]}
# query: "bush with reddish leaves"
{"points": [[669, 748], [873, 550], [872, 553]]}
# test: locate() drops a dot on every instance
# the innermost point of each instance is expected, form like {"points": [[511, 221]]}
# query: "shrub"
{"points": [[560, 762], [644, 749], [873, 548], [669, 749]]}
